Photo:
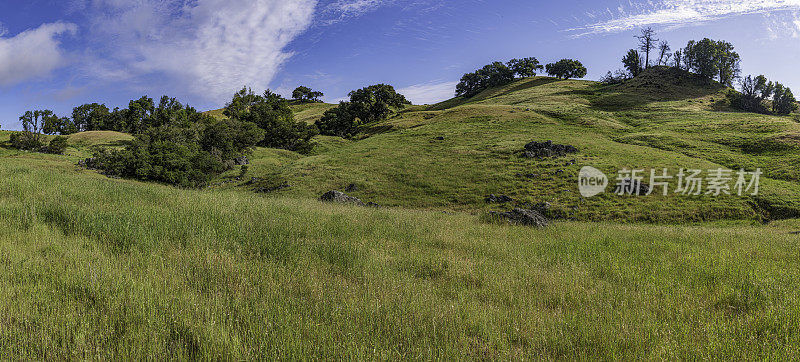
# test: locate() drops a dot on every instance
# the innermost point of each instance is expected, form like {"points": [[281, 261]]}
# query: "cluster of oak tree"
{"points": [[712, 59], [499, 73], [176, 144]]}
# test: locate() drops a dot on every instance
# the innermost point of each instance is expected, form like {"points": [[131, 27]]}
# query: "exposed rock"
{"points": [[542, 207], [351, 188], [341, 198], [498, 199], [632, 187], [522, 217], [440, 138], [372, 204], [241, 161], [547, 149]]}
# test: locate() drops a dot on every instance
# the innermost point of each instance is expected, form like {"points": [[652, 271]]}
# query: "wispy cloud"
{"points": [[209, 47], [33, 53], [682, 13], [341, 10], [429, 93]]}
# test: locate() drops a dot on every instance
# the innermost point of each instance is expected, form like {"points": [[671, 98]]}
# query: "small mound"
{"points": [[91, 138], [669, 83]]}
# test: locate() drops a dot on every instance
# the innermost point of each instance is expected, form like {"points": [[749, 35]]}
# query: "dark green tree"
{"points": [[633, 62], [339, 121], [376, 102], [525, 67], [305, 94], [58, 125], [566, 69], [90, 117], [271, 113]]}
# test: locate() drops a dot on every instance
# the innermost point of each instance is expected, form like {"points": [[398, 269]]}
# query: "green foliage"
{"points": [[712, 59], [367, 105], [91, 117], [376, 102], [178, 145], [25, 141], [493, 75], [525, 67], [783, 101], [305, 94], [33, 122], [339, 121], [271, 113], [754, 93], [57, 145], [58, 125], [566, 69], [633, 62]]}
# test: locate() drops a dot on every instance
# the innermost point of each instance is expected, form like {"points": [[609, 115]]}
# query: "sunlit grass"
{"points": [[98, 268]]}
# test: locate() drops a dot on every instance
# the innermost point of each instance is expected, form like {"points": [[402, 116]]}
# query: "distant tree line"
{"points": [[498, 73], [176, 144], [712, 59]]}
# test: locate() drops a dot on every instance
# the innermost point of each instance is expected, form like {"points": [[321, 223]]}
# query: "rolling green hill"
{"points": [[658, 120], [98, 268]]}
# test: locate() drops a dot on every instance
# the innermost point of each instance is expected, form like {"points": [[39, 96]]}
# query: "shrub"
{"points": [[184, 156], [26, 141], [57, 145]]}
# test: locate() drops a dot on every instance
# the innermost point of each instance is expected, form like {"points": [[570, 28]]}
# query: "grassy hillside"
{"points": [[658, 120], [100, 268], [95, 268]]}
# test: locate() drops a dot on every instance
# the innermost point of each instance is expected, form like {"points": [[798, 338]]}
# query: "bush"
{"points": [[26, 141], [617, 77], [57, 145], [183, 156]]}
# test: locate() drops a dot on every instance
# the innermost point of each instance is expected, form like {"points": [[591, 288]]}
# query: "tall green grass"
{"points": [[93, 268]]}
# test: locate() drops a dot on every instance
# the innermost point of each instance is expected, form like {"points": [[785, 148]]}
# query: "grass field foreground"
{"points": [[98, 268]]}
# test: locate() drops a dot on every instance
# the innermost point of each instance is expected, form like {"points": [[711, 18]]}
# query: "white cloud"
{"points": [[212, 47], [684, 12], [429, 93], [33, 53]]}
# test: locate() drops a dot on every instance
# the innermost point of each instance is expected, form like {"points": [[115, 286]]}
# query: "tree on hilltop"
{"points": [[525, 67], [647, 42], [306, 94], [566, 69], [633, 62]]}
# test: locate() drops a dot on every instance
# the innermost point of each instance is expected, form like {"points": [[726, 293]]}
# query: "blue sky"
{"points": [[57, 54]]}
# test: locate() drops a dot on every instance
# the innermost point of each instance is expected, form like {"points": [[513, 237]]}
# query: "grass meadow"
{"points": [[94, 268]]}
